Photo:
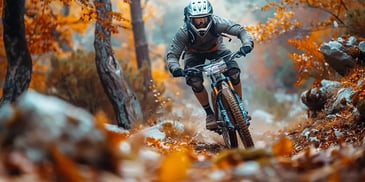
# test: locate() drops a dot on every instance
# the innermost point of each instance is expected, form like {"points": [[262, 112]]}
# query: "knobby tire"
{"points": [[237, 117]]}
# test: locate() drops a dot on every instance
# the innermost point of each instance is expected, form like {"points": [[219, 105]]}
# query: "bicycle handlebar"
{"points": [[199, 68]]}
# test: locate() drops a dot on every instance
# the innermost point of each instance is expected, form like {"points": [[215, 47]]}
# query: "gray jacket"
{"points": [[182, 43]]}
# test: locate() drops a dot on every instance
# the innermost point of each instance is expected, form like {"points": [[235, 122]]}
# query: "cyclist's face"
{"points": [[200, 22]]}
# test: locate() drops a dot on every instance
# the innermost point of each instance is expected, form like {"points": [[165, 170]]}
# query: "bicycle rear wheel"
{"points": [[237, 117]]}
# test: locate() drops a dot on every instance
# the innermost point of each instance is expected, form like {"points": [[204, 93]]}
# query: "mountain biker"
{"points": [[201, 38]]}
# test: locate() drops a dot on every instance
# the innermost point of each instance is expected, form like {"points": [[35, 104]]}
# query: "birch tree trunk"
{"points": [[126, 106], [19, 67]]}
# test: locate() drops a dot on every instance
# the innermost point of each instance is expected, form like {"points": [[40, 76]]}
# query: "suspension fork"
{"points": [[223, 110], [217, 100]]}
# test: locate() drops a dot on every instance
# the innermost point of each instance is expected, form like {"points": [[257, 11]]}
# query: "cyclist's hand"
{"points": [[245, 50], [194, 73], [178, 72]]}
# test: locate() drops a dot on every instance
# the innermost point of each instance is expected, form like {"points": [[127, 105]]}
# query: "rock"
{"points": [[41, 125], [316, 98], [359, 102], [331, 97], [6, 112], [362, 46], [351, 41], [340, 100], [340, 40], [313, 99], [329, 87], [337, 58]]}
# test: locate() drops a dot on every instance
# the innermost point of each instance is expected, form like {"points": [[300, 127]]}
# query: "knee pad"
{"points": [[234, 75], [196, 84]]}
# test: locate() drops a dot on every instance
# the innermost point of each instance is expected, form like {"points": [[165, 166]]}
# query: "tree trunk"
{"points": [[126, 106], [140, 42], [19, 67]]}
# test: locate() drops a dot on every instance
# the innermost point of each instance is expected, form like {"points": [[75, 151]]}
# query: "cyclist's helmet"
{"points": [[201, 11]]}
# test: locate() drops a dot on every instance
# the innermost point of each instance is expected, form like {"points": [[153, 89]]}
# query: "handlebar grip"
{"points": [[191, 71]]}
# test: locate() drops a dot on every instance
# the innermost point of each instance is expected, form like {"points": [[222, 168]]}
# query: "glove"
{"points": [[178, 72], [245, 50]]}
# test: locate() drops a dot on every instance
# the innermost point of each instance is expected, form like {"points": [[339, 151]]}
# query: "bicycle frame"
{"points": [[221, 87], [219, 82]]}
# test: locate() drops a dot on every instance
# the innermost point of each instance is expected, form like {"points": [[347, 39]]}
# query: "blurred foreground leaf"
{"points": [[174, 166], [283, 148]]}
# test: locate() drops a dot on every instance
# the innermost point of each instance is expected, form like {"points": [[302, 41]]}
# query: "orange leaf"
{"points": [[66, 167], [174, 166], [284, 147]]}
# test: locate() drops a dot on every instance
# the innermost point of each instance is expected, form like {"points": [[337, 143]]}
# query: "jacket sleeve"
{"points": [[231, 28], [176, 48]]}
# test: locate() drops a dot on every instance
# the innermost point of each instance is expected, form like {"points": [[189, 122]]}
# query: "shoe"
{"points": [[211, 123]]}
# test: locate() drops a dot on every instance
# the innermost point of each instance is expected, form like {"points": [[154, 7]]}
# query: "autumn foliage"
{"points": [[324, 149], [313, 22], [50, 26], [64, 68]]}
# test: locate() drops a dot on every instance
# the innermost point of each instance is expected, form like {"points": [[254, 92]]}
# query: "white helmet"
{"points": [[198, 9]]}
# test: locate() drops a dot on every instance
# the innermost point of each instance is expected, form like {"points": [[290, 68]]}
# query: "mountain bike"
{"points": [[230, 113]]}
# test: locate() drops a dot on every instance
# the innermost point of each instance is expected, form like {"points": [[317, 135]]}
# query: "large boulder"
{"points": [[331, 97], [343, 54], [40, 126], [316, 98]]}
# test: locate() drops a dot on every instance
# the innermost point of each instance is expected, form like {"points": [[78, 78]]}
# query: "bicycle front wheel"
{"points": [[229, 137], [237, 117]]}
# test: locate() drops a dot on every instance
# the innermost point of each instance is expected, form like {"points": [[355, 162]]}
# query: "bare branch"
{"points": [[327, 11]]}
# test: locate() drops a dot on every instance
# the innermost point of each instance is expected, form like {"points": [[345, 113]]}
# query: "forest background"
{"points": [[285, 61], [62, 64]]}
